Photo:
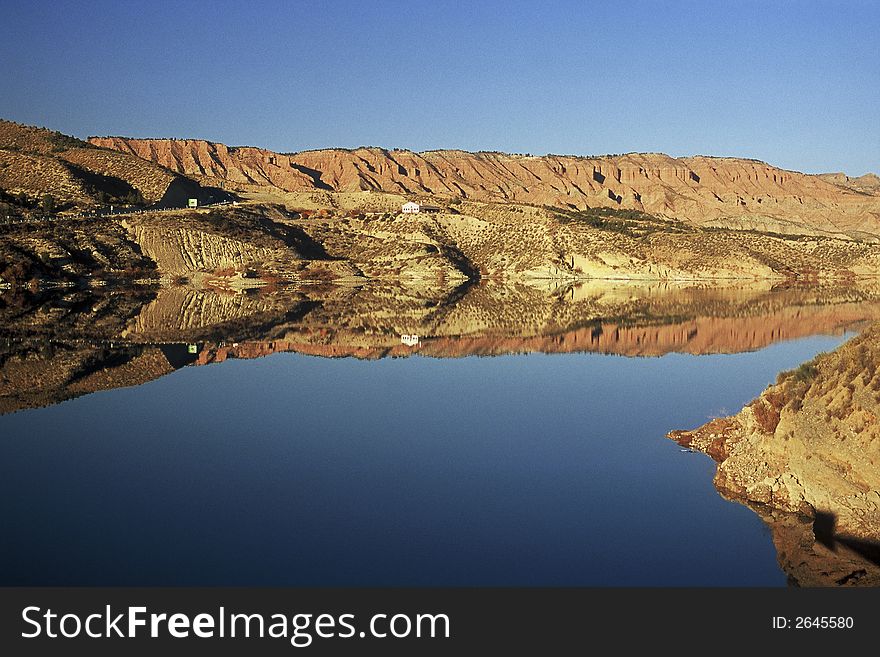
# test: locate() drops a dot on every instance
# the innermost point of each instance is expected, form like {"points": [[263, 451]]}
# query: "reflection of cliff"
{"points": [[180, 313], [629, 321], [810, 561], [701, 335], [79, 341], [810, 445]]}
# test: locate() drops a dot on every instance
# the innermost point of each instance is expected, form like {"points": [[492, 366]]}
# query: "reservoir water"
{"points": [[291, 469]]}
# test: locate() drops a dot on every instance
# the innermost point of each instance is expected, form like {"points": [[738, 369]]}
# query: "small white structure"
{"points": [[411, 208], [193, 203], [409, 340]]}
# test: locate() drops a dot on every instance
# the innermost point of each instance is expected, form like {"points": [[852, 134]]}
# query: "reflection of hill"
{"points": [[180, 313], [73, 343], [58, 372], [625, 320]]}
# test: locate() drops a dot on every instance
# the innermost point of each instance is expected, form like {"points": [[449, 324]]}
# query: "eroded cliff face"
{"points": [[810, 445], [180, 250], [722, 192]]}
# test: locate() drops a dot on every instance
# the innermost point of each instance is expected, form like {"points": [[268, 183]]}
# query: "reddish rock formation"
{"points": [[704, 190]]}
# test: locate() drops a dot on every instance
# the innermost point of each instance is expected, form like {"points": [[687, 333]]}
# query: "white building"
{"points": [[411, 208], [409, 340]]}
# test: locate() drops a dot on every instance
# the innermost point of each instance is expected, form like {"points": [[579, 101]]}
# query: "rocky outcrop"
{"points": [[722, 192], [182, 250], [229, 243], [810, 445], [272, 242]]}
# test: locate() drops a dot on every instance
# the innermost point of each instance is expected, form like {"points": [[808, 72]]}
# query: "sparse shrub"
{"points": [[806, 372], [134, 197], [319, 274], [47, 203], [803, 374]]}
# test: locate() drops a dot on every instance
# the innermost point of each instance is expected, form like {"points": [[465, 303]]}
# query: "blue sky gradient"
{"points": [[796, 84]]}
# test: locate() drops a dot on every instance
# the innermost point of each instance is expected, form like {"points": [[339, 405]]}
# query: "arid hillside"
{"points": [[336, 215], [35, 162], [468, 240], [706, 191], [869, 183]]}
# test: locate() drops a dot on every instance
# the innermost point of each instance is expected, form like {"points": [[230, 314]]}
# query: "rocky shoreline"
{"points": [[805, 455]]}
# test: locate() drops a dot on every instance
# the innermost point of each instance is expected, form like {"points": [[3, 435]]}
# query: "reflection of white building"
{"points": [[409, 340]]}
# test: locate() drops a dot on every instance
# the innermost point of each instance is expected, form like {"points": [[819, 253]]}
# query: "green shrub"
{"points": [[806, 372]]}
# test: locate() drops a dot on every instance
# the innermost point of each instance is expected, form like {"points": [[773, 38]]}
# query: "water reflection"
{"points": [[555, 463], [56, 346], [812, 553]]}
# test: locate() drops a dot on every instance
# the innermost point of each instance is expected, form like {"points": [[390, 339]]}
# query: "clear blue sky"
{"points": [[794, 83]]}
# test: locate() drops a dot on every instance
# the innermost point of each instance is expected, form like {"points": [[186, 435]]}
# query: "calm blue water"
{"points": [[295, 470]]}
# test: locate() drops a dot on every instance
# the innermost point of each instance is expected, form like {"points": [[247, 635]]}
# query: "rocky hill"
{"points": [[869, 183], [706, 191], [36, 161], [336, 214]]}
